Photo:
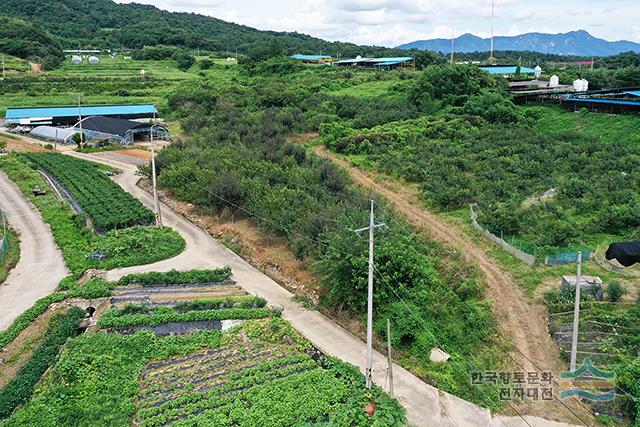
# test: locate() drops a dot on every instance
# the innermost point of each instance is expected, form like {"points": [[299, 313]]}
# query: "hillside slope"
{"points": [[106, 24], [579, 43]]}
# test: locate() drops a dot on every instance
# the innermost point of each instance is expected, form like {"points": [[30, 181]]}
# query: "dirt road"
{"points": [[40, 267], [522, 321]]}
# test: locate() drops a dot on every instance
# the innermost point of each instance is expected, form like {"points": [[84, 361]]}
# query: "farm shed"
{"points": [[50, 133], [388, 63], [70, 115], [599, 105], [124, 132], [506, 70], [312, 59]]}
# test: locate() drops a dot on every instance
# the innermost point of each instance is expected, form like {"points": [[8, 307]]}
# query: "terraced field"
{"points": [[244, 384], [170, 295]]}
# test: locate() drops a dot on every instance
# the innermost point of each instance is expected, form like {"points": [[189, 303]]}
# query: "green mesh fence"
{"points": [[567, 258]]}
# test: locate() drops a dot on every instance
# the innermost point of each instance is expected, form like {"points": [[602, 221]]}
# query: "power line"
{"points": [[410, 233]]}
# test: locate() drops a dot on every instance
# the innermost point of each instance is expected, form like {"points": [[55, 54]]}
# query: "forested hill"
{"points": [[106, 24]]}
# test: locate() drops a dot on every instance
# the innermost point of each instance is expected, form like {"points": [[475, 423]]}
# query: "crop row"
{"points": [[159, 369], [19, 389], [192, 402], [175, 277], [114, 318], [234, 380], [207, 374], [108, 205]]}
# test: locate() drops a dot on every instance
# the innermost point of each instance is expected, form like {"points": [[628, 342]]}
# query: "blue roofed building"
{"points": [[387, 63], [506, 70], [312, 59], [70, 115]]}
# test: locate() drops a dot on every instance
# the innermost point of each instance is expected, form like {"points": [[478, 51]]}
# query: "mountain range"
{"points": [[107, 24], [574, 43]]}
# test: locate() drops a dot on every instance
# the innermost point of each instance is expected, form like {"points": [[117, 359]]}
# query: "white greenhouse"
{"points": [[94, 60], [76, 59], [50, 133]]}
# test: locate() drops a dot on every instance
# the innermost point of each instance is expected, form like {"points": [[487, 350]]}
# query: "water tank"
{"points": [[538, 72], [76, 59], [554, 81], [94, 60], [581, 85]]}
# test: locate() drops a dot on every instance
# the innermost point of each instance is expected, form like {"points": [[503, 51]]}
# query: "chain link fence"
{"points": [[519, 254]]}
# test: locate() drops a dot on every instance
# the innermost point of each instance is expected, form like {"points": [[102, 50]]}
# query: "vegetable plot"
{"points": [[257, 384], [108, 206]]}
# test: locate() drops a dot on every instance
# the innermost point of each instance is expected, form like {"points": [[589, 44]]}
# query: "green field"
{"points": [[106, 83]]}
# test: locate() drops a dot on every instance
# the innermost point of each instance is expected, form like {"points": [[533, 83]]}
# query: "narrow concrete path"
{"points": [[426, 405], [40, 267]]}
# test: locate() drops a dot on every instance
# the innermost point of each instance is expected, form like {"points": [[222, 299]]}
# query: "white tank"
{"points": [[76, 59], [581, 85], [554, 81], [538, 72], [94, 60]]}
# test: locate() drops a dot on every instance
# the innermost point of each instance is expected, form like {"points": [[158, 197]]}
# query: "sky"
{"points": [[393, 22]]}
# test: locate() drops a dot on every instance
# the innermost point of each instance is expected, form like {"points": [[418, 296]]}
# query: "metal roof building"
{"points": [[599, 105], [506, 69], [71, 115], [123, 131], [633, 92], [375, 62], [310, 58]]}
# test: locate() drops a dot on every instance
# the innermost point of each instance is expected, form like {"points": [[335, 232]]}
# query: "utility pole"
{"points": [[153, 178], [576, 315], [493, 14], [55, 141], [80, 123], [390, 368], [371, 228]]}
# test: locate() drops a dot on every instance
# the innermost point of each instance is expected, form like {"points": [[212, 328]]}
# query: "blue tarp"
{"points": [[101, 110], [633, 92]]}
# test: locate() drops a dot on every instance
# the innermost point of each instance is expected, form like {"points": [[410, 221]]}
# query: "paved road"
{"points": [[426, 405], [41, 266]]}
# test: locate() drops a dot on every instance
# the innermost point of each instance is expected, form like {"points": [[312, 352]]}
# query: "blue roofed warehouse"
{"points": [[71, 115]]}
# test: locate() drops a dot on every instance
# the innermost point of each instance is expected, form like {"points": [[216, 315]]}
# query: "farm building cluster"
{"points": [[96, 125]]}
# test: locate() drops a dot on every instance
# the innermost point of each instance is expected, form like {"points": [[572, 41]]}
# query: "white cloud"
{"points": [[393, 22]]}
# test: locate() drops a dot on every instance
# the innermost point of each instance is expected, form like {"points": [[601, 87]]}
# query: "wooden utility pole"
{"points": [[576, 315], [390, 368]]}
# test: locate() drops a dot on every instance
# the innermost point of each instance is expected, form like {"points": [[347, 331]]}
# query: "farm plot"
{"points": [[108, 206], [172, 295], [132, 316], [249, 384]]}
